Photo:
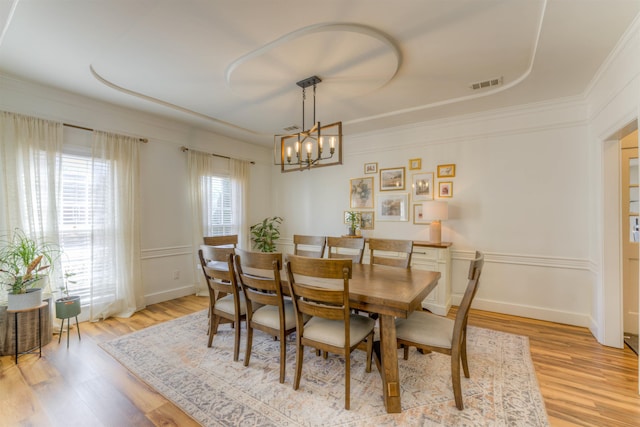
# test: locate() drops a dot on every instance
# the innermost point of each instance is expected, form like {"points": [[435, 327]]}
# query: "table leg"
{"points": [[386, 354]]}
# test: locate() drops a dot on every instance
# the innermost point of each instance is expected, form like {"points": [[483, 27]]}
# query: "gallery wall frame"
{"points": [[422, 186], [447, 171], [393, 207], [361, 193], [445, 189], [370, 168], [417, 215], [367, 220], [392, 179], [415, 164]]}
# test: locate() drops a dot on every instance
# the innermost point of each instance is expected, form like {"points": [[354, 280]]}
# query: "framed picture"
{"points": [[446, 171], [367, 220], [393, 207], [361, 193], [415, 164], [417, 215], [370, 168], [391, 179], [445, 189], [422, 186]]}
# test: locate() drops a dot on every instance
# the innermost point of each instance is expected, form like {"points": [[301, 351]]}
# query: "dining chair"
{"points": [[334, 244], [259, 276], [320, 288], [403, 248], [429, 332], [301, 245], [226, 302], [230, 240]]}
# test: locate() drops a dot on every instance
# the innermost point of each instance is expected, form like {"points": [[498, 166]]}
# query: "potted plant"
{"points": [[24, 262], [264, 234], [354, 220]]}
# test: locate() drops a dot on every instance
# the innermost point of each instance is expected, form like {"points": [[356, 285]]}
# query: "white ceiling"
{"points": [[232, 66]]}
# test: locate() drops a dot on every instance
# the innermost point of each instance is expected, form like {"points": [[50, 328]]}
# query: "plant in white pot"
{"points": [[24, 263]]}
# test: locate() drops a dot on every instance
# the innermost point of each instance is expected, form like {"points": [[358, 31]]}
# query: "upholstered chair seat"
{"points": [[331, 332]]}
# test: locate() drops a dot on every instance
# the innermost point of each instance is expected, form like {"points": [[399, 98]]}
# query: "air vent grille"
{"points": [[291, 128], [486, 83]]}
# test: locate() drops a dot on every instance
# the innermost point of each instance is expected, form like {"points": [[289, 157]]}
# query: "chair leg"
{"points": [[299, 357], [463, 355], [455, 379], [236, 344], [405, 349], [369, 353], [283, 356], [247, 354], [347, 380], [214, 321]]}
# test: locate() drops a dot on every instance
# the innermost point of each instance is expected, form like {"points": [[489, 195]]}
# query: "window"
{"points": [[218, 206], [78, 215]]}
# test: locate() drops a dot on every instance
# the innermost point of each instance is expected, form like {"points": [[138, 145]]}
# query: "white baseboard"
{"points": [[169, 295], [541, 313]]}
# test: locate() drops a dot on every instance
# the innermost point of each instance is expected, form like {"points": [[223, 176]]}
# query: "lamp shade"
{"points": [[435, 210]]}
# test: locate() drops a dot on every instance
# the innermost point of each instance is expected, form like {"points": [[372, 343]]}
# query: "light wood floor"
{"points": [[582, 382]]}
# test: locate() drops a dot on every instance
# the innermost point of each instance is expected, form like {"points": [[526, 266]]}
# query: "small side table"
{"points": [[15, 317]]}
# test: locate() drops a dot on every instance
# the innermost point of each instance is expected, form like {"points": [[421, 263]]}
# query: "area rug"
{"points": [[205, 383]]}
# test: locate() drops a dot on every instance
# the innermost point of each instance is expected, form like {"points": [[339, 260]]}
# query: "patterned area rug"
{"points": [[173, 358]]}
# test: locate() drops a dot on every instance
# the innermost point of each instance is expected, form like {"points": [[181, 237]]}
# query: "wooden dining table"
{"points": [[390, 292]]}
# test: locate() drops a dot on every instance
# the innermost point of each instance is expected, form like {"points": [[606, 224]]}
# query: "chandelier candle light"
{"points": [[310, 146], [435, 211]]}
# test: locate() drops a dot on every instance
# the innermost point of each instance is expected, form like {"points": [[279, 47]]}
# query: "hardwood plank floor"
{"points": [[582, 382]]}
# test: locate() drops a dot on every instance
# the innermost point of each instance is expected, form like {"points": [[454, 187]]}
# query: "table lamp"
{"points": [[435, 211]]}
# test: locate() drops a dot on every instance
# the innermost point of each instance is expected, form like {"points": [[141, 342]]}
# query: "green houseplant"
{"points": [[23, 264], [354, 220], [264, 234]]}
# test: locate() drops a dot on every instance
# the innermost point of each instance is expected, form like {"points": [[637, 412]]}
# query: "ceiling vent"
{"points": [[291, 128], [486, 83]]}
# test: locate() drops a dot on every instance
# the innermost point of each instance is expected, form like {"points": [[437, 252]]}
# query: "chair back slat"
{"points": [[262, 284], [313, 299], [228, 240], [217, 267], [302, 245], [353, 244], [387, 246]]}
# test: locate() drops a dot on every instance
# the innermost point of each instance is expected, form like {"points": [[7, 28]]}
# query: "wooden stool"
{"points": [[15, 317]]}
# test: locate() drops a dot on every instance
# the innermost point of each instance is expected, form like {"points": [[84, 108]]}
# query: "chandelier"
{"points": [[316, 147]]}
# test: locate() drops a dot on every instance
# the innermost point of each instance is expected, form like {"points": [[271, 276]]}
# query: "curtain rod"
{"points": [[145, 140], [183, 148]]}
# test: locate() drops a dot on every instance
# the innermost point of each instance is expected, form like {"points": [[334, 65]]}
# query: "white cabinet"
{"points": [[435, 257]]}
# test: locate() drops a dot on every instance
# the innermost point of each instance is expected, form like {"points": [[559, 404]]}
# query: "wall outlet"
{"points": [[176, 274]]}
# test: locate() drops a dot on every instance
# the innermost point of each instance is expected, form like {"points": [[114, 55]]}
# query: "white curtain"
{"points": [[115, 242], [29, 169], [201, 165], [240, 181]]}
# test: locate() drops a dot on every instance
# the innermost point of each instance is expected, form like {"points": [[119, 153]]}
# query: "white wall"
{"points": [[165, 214], [519, 195], [614, 101]]}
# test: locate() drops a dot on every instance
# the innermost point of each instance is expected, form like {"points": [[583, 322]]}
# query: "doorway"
{"points": [[630, 221]]}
